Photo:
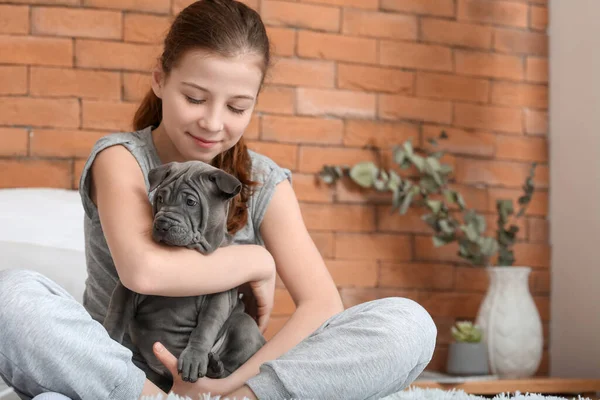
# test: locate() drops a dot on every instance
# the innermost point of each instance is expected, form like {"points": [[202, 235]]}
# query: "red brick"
{"points": [[452, 87], [364, 4], [498, 173], [14, 142], [410, 222], [36, 50], [282, 40], [145, 28], [520, 95], [451, 304], [493, 12], [536, 122], [307, 73], [351, 76], [537, 207], [157, 6], [39, 112], [125, 56], [336, 47], [312, 159], [349, 192], [302, 129], [536, 69], [372, 247], [355, 296], [300, 15], [277, 100], [13, 79], [283, 303], [456, 33], [14, 19], [285, 155], [60, 82], [486, 117], [348, 273], [535, 255], [340, 103], [63, 143], [522, 148], [379, 25], [460, 141], [324, 242], [540, 282], [135, 86], [538, 230], [60, 21], [402, 107], [471, 279], [443, 8], [415, 55], [360, 133], [309, 188], [49, 2], [339, 217], [107, 115], [489, 65], [426, 251], [475, 197], [510, 41], [543, 305], [538, 18], [35, 173], [421, 276]]}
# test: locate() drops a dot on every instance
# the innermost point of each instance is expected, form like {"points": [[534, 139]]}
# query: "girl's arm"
{"points": [[304, 274], [146, 267]]}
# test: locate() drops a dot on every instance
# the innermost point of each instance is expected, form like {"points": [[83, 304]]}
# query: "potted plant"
{"points": [[468, 354], [508, 316]]}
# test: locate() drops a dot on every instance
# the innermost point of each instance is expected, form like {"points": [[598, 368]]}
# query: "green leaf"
{"points": [[445, 226], [431, 220], [364, 173], [437, 154], [439, 241], [418, 161], [470, 232], [380, 185], [446, 169], [406, 202], [432, 141], [399, 155], [434, 205], [505, 209], [396, 198], [489, 246], [394, 181], [408, 148], [429, 184], [443, 135]]}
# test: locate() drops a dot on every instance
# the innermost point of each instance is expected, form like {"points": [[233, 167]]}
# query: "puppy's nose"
{"points": [[163, 225]]}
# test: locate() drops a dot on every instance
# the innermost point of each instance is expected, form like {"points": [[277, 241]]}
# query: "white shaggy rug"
{"points": [[411, 394]]}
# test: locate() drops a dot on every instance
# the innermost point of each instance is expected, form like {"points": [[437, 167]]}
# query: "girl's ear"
{"points": [[158, 81]]}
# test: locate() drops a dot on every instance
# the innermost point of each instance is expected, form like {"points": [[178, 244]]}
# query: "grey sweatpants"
{"points": [[49, 343]]}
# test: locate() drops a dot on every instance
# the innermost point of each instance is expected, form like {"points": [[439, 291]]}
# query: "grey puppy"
{"points": [[211, 335]]}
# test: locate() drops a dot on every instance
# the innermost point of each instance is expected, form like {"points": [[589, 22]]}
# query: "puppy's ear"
{"points": [[160, 173], [228, 184]]}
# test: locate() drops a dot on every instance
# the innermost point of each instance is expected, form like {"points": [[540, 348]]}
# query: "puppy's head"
{"points": [[191, 204]]}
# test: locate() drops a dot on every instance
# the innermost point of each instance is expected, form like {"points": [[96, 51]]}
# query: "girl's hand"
{"points": [[264, 293], [203, 385]]}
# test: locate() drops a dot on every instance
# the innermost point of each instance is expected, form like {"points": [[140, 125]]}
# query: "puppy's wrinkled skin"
{"points": [[211, 335]]}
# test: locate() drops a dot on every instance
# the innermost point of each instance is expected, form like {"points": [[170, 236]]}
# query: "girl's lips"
{"points": [[202, 143]]}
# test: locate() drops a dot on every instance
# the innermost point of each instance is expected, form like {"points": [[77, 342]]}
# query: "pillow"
{"points": [[43, 216], [64, 266]]}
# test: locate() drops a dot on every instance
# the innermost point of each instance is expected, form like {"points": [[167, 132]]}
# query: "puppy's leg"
{"points": [[193, 361]]}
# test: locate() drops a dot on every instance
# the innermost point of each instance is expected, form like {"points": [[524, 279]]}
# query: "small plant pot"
{"points": [[467, 359]]}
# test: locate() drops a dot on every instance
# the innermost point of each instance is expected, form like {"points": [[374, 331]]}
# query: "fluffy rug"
{"points": [[411, 394]]}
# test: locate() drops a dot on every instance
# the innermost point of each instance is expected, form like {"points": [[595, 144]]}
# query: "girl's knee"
{"points": [[16, 285]]}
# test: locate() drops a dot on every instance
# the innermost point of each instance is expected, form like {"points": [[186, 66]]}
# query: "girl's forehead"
{"points": [[241, 73]]}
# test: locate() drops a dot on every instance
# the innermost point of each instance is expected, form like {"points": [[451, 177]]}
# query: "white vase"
{"points": [[511, 323]]}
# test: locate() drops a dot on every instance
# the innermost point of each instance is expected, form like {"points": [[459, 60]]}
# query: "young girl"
{"points": [[203, 93]]}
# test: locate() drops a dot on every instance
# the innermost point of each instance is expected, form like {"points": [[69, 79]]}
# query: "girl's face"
{"points": [[207, 102]]}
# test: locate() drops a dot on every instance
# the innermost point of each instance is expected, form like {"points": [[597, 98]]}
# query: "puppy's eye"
{"points": [[191, 202]]}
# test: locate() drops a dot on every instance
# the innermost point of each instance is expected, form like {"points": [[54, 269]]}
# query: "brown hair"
{"points": [[227, 28]]}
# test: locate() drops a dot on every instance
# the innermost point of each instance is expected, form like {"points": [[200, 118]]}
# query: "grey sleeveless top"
{"points": [[102, 275]]}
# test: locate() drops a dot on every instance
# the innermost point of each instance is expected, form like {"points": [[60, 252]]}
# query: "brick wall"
{"points": [[349, 74]]}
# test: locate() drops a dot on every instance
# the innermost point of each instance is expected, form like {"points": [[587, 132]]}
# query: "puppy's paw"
{"points": [[192, 364]]}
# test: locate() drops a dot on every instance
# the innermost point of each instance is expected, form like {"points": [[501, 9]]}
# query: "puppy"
{"points": [[211, 335]]}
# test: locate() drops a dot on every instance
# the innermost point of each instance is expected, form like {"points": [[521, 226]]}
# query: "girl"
{"points": [[203, 93]]}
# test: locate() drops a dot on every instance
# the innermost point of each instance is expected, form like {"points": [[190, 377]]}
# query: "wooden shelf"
{"points": [[533, 385]]}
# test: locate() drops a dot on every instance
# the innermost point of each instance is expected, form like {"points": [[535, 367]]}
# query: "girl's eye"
{"points": [[236, 110], [193, 101], [191, 202]]}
